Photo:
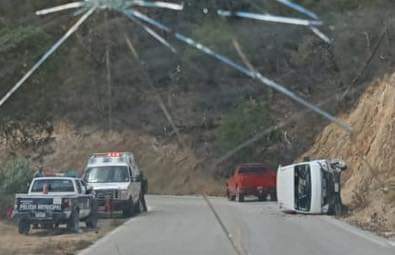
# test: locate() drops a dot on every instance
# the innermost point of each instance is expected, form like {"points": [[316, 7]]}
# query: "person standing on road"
{"points": [[39, 173], [144, 190]]}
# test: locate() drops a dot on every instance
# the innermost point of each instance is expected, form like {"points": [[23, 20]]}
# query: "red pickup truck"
{"points": [[251, 180]]}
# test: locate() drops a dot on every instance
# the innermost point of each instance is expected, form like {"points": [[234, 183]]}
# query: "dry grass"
{"points": [[41, 242], [369, 183]]}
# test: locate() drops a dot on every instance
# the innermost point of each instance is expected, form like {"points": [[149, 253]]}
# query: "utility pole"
{"points": [[108, 70]]}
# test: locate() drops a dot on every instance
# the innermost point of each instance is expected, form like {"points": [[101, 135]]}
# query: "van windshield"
{"points": [[107, 174], [302, 187]]}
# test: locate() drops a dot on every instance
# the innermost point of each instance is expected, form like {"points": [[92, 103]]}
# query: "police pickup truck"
{"points": [[52, 201], [117, 181]]}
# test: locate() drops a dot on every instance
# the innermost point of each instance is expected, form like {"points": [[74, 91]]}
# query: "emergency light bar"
{"points": [[107, 157], [114, 154], [108, 154]]}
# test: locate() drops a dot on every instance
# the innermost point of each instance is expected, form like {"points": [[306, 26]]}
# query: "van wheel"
{"points": [[73, 225], [338, 211], [23, 227], [262, 197]]}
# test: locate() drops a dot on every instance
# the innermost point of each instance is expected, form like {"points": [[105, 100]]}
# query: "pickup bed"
{"points": [[52, 201], [251, 180]]}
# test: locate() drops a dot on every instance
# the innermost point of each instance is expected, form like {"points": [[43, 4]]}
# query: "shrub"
{"points": [[249, 118], [15, 176]]}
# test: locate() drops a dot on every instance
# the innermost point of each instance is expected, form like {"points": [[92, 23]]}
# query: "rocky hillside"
{"points": [[369, 184], [214, 108]]}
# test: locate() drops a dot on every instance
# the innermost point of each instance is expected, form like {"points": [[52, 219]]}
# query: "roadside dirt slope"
{"points": [[369, 184], [169, 168]]}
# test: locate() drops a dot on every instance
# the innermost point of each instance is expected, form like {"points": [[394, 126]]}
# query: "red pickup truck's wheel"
{"points": [[239, 196], [262, 197], [230, 196]]}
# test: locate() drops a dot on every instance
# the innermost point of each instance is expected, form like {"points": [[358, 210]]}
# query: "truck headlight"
{"points": [[124, 195]]}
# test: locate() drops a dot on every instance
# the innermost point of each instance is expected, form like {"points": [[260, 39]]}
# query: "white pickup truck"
{"points": [[52, 201], [311, 187], [118, 183]]}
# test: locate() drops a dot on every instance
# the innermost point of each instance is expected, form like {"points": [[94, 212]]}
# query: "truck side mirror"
{"points": [[136, 178]]}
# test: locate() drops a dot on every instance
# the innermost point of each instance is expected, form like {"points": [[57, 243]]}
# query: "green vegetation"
{"points": [[21, 47], [11, 38], [246, 120], [214, 33], [15, 176]]}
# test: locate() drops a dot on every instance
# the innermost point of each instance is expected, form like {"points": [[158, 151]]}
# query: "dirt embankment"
{"points": [[170, 168], [369, 184]]}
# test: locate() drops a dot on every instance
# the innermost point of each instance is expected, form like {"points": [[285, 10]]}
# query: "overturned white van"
{"points": [[311, 187]]}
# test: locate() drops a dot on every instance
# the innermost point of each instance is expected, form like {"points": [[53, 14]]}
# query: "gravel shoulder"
{"points": [[52, 242]]}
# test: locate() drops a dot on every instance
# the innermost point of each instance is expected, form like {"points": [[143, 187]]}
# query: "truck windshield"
{"points": [[53, 185], [106, 174], [302, 188]]}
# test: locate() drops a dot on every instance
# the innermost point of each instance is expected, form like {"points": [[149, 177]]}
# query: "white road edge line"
{"points": [[105, 238], [370, 236]]}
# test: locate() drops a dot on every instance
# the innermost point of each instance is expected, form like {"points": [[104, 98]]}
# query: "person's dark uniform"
{"points": [[144, 190], [39, 173]]}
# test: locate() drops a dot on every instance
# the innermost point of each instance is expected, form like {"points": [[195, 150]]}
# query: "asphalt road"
{"points": [[186, 225]]}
